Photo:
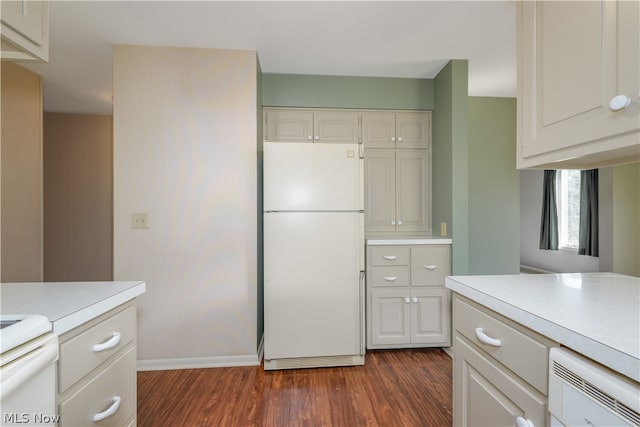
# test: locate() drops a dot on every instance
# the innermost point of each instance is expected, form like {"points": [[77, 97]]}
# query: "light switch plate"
{"points": [[139, 220]]}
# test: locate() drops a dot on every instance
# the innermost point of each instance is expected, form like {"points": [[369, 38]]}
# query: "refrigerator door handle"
{"points": [[362, 312]]}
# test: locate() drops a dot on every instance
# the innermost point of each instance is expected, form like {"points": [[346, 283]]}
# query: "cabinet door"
{"points": [[413, 190], [379, 130], [380, 190], [430, 316], [288, 125], [336, 126], [413, 130], [25, 30], [390, 316], [484, 395], [569, 74]]}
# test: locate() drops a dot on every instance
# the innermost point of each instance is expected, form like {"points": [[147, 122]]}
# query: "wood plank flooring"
{"points": [[393, 388]]}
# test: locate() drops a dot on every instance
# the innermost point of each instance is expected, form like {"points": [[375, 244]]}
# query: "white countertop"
{"points": [[66, 304], [595, 314], [433, 240]]}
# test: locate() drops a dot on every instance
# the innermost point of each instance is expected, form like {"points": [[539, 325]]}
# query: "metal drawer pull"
{"points": [[390, 257], [390, 278], [112, 342], [521, 422], [486, 339], [430, 267], [109, 411]]}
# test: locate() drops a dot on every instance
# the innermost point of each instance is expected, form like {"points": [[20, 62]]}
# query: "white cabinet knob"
{"points": [[317, 138], [522, 422], [309, 138], [620, 102], [393, 223], [393, 139], [414, 300], [399, 139], [399, 222], [407, 300]]}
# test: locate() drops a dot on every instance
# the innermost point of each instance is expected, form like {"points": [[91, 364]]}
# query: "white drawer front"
{"points": [[116, 382], [429, 265], [389, 276], [84, 352], [525, 356], [389, 255]]}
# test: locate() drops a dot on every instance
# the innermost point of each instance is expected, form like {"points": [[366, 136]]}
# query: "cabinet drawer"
{"points": [[524, 355], [77, 355], [389, 255], [118, 379], [390, 276], [488, 396], [429, 265]]}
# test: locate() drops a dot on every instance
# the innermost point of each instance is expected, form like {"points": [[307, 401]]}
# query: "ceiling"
{"points": [[361, 38]]}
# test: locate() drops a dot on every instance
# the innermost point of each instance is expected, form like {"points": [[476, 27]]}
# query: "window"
{"points": [[568, 202]]}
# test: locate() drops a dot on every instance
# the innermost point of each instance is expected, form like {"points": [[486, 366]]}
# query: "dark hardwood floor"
{"points": [[393, 388]]}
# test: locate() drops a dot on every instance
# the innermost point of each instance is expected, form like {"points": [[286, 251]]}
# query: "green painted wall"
{"points": [[295, 90], [494, 187], [626, 219], [450, 201]]}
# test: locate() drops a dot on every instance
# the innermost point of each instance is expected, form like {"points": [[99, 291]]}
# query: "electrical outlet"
{"points": [[139, 220], [443, 229]]}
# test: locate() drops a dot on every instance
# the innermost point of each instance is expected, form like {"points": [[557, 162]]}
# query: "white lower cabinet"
{"points": [[500, 369], [97, 371], [407, 303]]}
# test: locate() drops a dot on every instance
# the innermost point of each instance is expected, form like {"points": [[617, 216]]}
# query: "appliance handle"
{"points": [[26, 367], [362, 311]]}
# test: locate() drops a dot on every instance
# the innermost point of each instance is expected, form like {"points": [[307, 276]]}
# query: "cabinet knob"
{"points": [[414, 300], [317, 138], [309, 138], [430, 266], [390, 278], [619, 102], [393, 139], [407, 300], [399, 139], [393, 223], [522, 422], [399, 222], [390, 257]]}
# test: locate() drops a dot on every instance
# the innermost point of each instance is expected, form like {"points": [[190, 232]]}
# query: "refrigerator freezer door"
{"points": [[307, 177], [312, 289]]}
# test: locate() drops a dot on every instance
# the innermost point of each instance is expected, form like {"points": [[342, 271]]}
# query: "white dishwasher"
{"points": [[29, 352], [583, 393]]}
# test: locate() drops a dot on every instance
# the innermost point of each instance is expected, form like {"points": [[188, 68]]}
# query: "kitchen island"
{"points": [[96, 325], [504, 327], [594, 314]]}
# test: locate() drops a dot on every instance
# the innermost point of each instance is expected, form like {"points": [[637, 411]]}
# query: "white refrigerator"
{"points": [[313, 255]]}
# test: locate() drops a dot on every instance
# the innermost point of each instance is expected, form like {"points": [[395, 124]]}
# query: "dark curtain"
{"points": [[588, 238], [549, 223]]}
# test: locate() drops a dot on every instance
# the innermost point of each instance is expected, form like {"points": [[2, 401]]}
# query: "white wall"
{"points": [[561, 261], [185, 152]]}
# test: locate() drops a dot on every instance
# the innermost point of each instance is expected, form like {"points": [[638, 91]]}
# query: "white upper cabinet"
{"points": [[25, 30], [578, 83], [396, 130], [283, 125]]}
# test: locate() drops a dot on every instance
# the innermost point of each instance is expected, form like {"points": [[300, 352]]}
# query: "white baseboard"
{"points": [[203, 362]]}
